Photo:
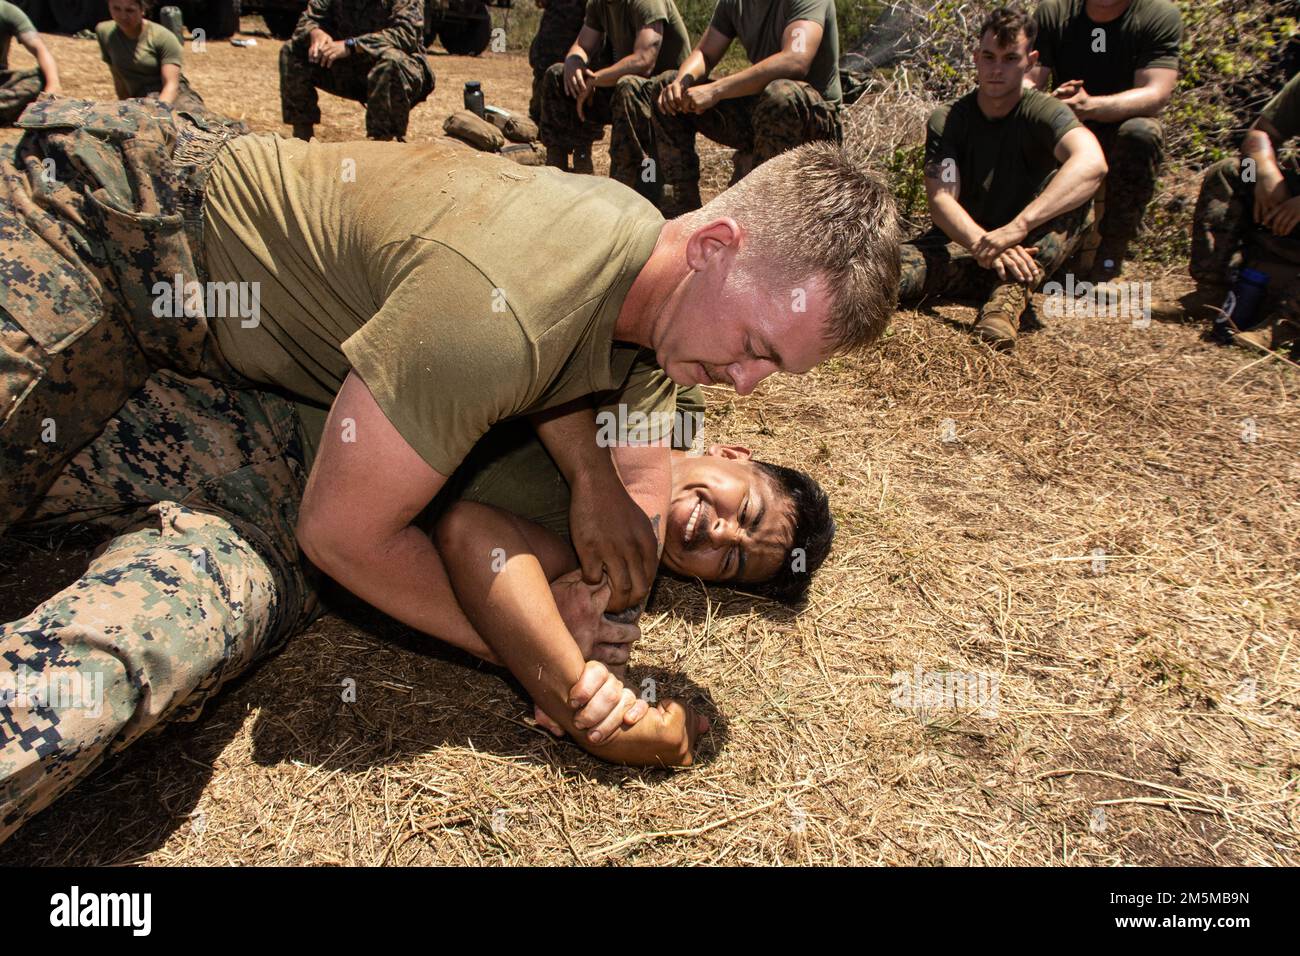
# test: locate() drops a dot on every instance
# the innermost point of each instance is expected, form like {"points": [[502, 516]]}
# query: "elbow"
{"points": [[323, 546], [645, 64], [452, 533]]}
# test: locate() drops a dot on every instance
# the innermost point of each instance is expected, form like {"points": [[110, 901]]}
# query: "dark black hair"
{"points": [[814, 533], [1007, 23]]}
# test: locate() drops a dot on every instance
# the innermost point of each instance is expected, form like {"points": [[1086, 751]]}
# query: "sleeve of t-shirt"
{"points": [[1052, 120], [594, 17], [1161, 40], [443, 377], [167, 48], [814, 10], [724, 18], [935, 143], [14, 21], [1283, 110], [649, 12], [647, 390], [1048, 21], [101, 34]]}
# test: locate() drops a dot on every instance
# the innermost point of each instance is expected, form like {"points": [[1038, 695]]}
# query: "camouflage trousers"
{"points": [[199, 483], [389, 85], [1224, 232], [17, 89], [99, 202], [934, 265], [560, 25], [786, 114], [561, 127], [1134, 152]]}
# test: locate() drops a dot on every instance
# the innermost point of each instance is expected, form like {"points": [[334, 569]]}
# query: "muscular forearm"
{"points": [[695, 66], [510, 603], [1073, 185], [1139, 101], [754, 79], [49, 69], [955, 221], [634, 64], [405, 577], [1258, 146]]}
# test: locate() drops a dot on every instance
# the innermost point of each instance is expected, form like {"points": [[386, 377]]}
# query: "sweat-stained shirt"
{"points": [[759, 24], [140, 61], [444, 278], [13, 22], [1003, 163], [622, 20], [1106, 55]]}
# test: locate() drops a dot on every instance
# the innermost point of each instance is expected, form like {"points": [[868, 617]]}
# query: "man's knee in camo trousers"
{"points": [[789, 113], [18, 88], [561, 128]]}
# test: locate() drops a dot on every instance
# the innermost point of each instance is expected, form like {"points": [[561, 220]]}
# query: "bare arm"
{"points": [[1083, 167], [171, 74], [799, 43], [711, 48], [1149, 96], [640, 62], [44, 59], [356, 514], [511, 606], [612, 532], [943, 192]]}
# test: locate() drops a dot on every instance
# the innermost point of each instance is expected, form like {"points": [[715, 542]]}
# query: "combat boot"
{"points": [[999, 318], [559, 158], [303, 131], [582, 161]]}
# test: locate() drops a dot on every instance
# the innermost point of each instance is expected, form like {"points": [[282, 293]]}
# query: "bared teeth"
{"points": [[689, 532]]}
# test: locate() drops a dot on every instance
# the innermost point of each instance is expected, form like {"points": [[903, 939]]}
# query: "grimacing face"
{"points": [[723, 326], [727, 520], [1001, 69]]}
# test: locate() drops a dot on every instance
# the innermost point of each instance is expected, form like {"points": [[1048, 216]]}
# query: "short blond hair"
{"points": [[812, 212]]}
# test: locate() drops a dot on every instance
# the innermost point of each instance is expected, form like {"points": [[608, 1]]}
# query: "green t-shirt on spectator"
{"points": [[1002, 163], [759, 25], [1106, 55], [622, 20], [13, 22], [140, 61]]}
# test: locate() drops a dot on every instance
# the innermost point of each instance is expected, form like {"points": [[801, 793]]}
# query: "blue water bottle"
{"points": [[1243, 307]]}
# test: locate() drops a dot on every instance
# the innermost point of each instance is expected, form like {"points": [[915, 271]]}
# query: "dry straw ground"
{"points": [[1105, 520]]}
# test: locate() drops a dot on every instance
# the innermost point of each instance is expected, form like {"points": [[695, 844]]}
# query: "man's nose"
{"points": [[723, 532], [745, 376]]}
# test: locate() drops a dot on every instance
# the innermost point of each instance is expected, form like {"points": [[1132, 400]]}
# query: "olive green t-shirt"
{"points": [[1283, 110], [1003, 163], [759, 24], [140, 61], [622, 20], [449, 280], [1106, 55], [13, 21]]}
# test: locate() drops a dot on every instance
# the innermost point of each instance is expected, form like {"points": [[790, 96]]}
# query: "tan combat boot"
{"points": [[999, 318]]}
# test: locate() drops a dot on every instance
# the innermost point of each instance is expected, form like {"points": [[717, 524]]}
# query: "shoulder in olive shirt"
{"points": [[445, 278]]}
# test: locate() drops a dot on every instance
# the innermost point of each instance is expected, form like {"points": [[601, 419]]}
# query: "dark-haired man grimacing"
{"points": [[1009, 173], [731, 521]]}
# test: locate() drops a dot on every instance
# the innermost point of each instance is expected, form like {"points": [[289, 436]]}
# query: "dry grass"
{"points": [[972, 491]]}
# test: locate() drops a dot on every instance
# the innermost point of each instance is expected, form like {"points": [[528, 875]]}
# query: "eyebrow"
{"points": [[753, 526]]}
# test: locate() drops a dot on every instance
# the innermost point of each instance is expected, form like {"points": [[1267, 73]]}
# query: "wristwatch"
{"points": [[350, 43]]}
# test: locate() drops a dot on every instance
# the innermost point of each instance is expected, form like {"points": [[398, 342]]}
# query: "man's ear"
{"points": [[719, 236], [733, 452]]}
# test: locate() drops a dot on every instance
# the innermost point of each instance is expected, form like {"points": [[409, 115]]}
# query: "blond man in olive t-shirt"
{"points": [[423, 294], [20, 87]]}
